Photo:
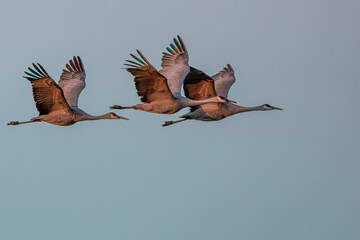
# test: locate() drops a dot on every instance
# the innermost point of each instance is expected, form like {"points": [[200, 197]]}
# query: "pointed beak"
{"points": [[228, 100], [120, 117], [276, 108]]}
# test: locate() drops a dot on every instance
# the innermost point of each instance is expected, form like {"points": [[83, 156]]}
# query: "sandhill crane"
{"points": [[198, 85], [160, 91], [58, 103]]}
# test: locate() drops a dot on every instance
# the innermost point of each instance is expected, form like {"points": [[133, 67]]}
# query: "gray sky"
{"points": [[261, 175]]}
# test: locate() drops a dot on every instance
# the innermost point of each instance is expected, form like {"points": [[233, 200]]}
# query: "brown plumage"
{"points": [[198, 85], [57, 104], [160, 91], [150, 84], [47, 94]]}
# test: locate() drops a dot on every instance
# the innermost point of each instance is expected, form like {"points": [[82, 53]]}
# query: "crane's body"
{"points": [[214, 112], [170, 107], [218, 111], [198, 85], [160, 91], [58, 103]]}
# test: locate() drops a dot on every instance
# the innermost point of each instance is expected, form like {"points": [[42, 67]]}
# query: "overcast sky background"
{"points": [[263, 175]]}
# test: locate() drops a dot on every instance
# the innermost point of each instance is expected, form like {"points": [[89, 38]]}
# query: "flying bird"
{"points": [[160, 91], [58, 103], [199, 86]]}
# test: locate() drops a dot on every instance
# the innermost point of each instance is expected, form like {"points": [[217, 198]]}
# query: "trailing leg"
{"points": [[120, 107], [18, 123], [167, 123]]}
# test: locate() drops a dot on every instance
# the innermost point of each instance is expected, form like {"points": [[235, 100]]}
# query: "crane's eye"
{"points": [[221, 97], [267, 105]]}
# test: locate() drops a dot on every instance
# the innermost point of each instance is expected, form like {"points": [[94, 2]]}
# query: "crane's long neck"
{"points": [[91, 117], [80, 115], [85, 117], [239, 109]]}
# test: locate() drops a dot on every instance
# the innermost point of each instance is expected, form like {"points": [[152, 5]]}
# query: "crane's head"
{"points": [[112, 115], [222, 99], [267, 107]]}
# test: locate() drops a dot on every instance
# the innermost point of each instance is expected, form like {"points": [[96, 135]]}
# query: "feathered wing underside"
{"points": [[150, 84], [47, 94], [224, 80], [175, 65], [72, 80]]}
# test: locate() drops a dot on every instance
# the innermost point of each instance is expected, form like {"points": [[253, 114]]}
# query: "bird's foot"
{"points": [[14, 123], [167, 123]]}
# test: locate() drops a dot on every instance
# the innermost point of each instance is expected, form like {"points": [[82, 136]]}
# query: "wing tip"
{"points": [[36, 74], [75, 65], [178, 48], [141, 61]]}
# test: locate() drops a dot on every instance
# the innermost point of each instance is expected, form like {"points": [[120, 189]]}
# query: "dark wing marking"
{"points": [[72, 80], [224, 80], [198, 86], [150, 84], [47, 94]]}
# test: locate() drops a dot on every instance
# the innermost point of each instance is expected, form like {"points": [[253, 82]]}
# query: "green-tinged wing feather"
{"points": [[138, 59], [177, 43], [34, 72], [30, 75], [169, 50]]}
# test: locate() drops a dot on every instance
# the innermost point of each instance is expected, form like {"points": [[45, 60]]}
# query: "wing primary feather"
{"points": [[133, 62], [72, 65], [69, 68], [76, 62], [138, 59], [169, 50], [34, 72], [44, 71], [174, 48], [133, 66], [177, 43], [144, 58], [38, 69], [81, 64], [30, 76], [182, 43]]}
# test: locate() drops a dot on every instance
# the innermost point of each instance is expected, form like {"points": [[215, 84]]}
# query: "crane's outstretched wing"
{"points": [[150, 84], [224, 80], [198, 85], [48, 95], [72, 80], [175, 65]]}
